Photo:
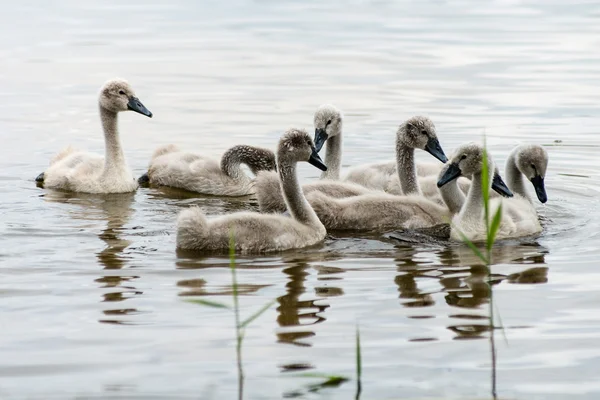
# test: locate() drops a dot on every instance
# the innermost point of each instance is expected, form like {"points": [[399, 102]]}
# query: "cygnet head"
{"points": [[117, 95], [296, 145], [532, 161], [467, 160], [419, 133], [328, 123]]}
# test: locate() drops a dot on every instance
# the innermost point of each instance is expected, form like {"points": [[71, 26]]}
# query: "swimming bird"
{"points": [[525, 160], [328, 129], [77, 171], [529, 161], [399, 176], [259, 233], [377, 211], [518, 217], [172, 167]]}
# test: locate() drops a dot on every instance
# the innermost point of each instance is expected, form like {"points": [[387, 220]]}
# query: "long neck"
{"points": [[514, 177], [407, 171], [453, 197], [256, 158], [333, 157], [293, 195], [473, 207], [231, 164], [114, 157]]}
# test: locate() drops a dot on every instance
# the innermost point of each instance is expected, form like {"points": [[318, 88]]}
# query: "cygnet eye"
{"points": [[121, 92], [328, 122], [463, 157]]}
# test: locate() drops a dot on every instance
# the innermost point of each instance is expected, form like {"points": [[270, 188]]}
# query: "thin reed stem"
{"points": [[236, 311], [358, 365]]}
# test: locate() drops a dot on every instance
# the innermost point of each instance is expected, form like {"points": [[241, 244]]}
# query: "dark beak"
{"points": [[136, 105], [320, 138], [540, 189], [451, 173], [434, 148], [500, 187], [316, 160]]}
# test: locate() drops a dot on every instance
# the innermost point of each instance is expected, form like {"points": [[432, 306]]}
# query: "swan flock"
{"points": [[395, 194]]}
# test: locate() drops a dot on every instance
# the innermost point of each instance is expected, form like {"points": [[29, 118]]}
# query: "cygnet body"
{"points": [[386, 211], [259, 233], [528, 161], [519, 217], [77, 171], [328, 130], [401, 177], [196, 173]]}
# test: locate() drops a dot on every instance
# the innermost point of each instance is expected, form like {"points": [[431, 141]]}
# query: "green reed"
{"points": [[240, 326], [358, 365], [492, 225]]}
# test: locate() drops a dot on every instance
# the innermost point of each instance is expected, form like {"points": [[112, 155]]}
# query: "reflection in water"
{"points": [[198, 287], [467, 286], [463, 278], [328, 275], [116, 210], [407, 286], [412, 267], [290, 314]]}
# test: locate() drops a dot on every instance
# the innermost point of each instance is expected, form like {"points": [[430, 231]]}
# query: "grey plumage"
{"points": [[259, 233], [189, 171]]}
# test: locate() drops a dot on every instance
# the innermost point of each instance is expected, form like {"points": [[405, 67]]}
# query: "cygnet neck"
{"points": [[231, 162], [407, 171], [114, 160], [474, 204], [294, 198], [514, 177], [452, 196], [333, 156]]}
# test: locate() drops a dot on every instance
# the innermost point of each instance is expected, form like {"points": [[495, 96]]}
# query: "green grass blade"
{"points": [[472, 246], [497, 314], [331, 382], [239, 332], [208, 303], [257, 314], [491, 237]]}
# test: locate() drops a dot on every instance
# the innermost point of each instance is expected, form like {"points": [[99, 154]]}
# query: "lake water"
{"points": [[93, 294]]}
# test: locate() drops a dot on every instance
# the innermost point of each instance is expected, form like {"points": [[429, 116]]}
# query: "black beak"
{"points": [[316, 160], [500, 187], [434, 148], [540, 189], [320, 138], [451, 173], [136, 105]]}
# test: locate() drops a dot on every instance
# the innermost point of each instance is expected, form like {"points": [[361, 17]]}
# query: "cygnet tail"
{"points": [[192, 229], [162, 150], [62, 154]]}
